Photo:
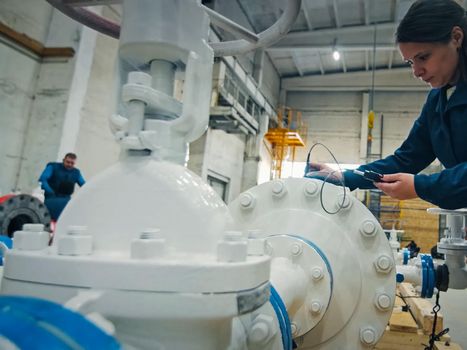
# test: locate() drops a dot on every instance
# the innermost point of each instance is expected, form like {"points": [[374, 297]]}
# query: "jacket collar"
{"points": [[459, 97]]}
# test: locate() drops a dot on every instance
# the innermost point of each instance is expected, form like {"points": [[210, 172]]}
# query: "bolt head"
{"points": [[258, 333], [317, 273], [315, 307], [368, 228], [295, 328], [311, 188], [262, 330], [296, 249], [343, 202], [368, 336], [247, 201], [384, 264], [383, 302], [278, 188]]}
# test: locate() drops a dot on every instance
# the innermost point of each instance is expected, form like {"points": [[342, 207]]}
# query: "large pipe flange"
{"points": [[17, 210]]}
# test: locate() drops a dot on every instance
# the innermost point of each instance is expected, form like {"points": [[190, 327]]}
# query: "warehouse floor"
{"points": [[454, 310]]}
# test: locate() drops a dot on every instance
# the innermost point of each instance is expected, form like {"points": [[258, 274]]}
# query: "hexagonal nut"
{"points": [[147, 248], [232, 251], [75, 245], [295, 328], [247, 201], [343, 202], [31, 240], [315, 307], [256, 246], [296, 249], [383, 302], [368, 335], [317, 273], [368, 228], [384, 264], [262, 330], [278, 188]]}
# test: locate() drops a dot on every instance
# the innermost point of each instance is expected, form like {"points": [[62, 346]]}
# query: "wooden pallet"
{"points": [[408, 330]]}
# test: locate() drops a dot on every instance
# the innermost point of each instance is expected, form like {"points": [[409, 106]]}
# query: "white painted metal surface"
{"points": [[150, 248], [353, 245], [454, 245]]}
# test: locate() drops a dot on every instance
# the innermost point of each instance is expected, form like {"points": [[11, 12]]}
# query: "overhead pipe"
{"points": [[227, 48]]}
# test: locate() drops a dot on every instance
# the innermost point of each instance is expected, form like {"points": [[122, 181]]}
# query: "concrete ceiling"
{"points": [[350, 26], [361, 30]]}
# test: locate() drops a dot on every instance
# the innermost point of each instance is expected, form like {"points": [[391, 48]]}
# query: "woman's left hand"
{"points": [[399, 186]]}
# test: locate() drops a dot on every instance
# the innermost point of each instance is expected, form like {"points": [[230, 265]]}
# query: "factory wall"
{"points": [[335, 119], [270, 83], [220, 155], [54, 105], [19, 70], [60, 87]]}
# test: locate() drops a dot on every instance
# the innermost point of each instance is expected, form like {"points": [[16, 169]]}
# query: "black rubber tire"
{"points": [[22, 209]]}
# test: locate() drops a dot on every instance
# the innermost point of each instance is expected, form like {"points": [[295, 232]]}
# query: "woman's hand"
{"points": [[399, 186]]}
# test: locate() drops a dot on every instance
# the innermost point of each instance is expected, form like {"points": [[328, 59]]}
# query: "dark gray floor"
{"points": [[454, 309]]}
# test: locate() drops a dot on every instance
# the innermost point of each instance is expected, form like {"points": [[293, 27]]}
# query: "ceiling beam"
{"points": [[344, 66], [367, 60], [296, 63], [341, 47], [320, 62], [397, 79], [395, 6], [306, 13], [335, 9], [366, 11], [348, 36], [82, 3]]}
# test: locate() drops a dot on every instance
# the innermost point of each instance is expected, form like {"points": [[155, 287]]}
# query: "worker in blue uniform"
{"points": [[432, 40], [58, 181]]}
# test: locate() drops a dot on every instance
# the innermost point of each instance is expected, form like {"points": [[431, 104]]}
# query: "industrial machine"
{"points": [[149, 253]]}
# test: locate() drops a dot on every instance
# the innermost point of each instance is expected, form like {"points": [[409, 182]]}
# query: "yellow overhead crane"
{"points": [[290, 133]]}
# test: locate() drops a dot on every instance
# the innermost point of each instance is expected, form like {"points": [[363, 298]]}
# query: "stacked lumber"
{"points": [[408, 330], [419, 226]]}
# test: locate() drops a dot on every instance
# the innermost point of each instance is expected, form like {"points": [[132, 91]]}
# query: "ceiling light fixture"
{"points": [[336, 55]]}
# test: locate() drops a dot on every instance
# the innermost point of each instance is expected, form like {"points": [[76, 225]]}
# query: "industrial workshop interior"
{"points": [[233, 174]]}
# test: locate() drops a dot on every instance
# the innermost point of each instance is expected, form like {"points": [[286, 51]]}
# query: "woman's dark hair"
{"points": [[431, 21]]}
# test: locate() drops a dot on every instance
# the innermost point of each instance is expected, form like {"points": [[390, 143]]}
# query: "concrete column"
{"points": [[258, 66], [78, 88], [252, 158]]}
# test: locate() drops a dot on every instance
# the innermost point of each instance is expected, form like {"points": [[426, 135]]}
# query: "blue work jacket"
{"points": [[55, 174], [439, 132]]}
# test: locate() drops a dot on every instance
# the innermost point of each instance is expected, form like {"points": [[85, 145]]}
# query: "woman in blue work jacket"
{"points": [[432, 40]]}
